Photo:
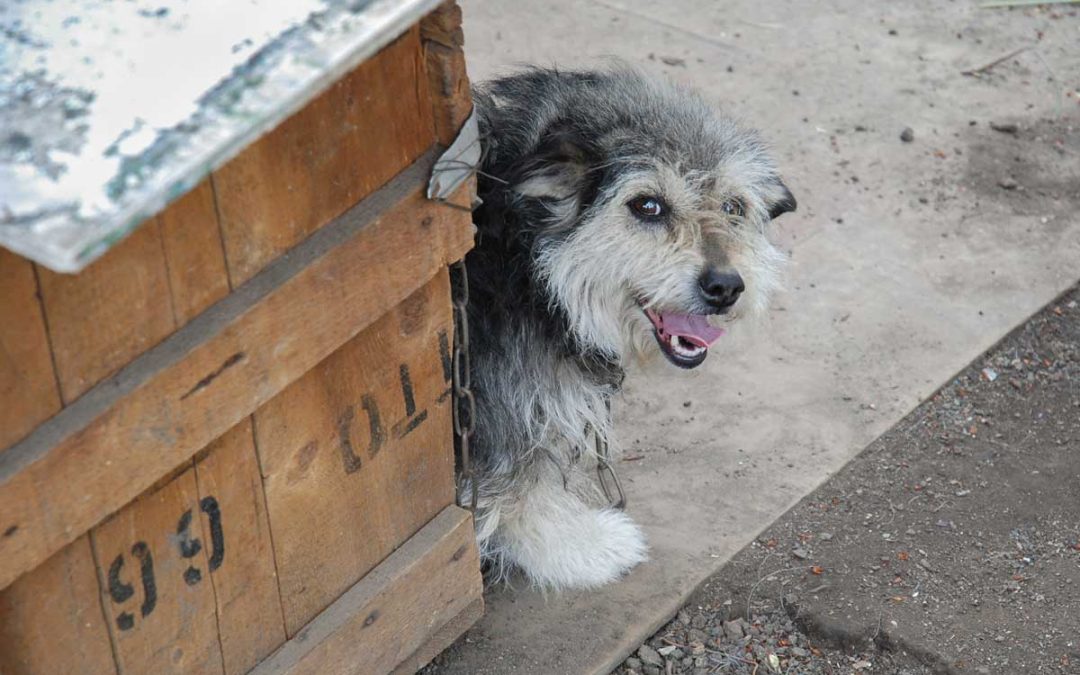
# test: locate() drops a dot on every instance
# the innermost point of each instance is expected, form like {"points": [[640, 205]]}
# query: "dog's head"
{"points": [[644, 211]]}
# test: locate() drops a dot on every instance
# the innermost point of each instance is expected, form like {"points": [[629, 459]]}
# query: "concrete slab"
{"points": [[909, 259]]}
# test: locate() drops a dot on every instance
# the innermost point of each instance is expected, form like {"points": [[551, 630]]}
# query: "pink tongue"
{"points": [[692, 327]]}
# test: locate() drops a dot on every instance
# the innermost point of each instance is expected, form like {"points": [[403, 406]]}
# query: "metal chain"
{"points": [[464, 412], [604, 468]]}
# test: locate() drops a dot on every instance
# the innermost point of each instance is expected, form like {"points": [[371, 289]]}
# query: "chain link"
{"points": [[464, 412], [605, 471]]}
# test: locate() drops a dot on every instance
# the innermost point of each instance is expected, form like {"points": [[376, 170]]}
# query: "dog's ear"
{"points": [[557, 177], [784, 204]]}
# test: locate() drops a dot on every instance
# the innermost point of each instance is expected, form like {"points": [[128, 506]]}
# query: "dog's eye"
{"points": [[648, 207], [733, 207]]}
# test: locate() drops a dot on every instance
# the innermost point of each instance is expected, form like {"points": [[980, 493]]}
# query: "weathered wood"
{"points": [[112, 311], [250, 623], [442, 638], [343, 145], [28, 392], [395, 609], [51, 620], [154, 576], [193, 252], [99, 453], [448, 80], [356, 454]]}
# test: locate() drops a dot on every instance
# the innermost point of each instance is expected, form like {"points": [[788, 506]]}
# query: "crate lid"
{"points": [[111, 110]]}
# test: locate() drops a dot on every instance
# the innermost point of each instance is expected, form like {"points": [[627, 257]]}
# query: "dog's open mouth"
{"points": [[684, 338]]}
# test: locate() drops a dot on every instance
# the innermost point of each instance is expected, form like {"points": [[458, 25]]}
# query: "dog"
{"points": [[621, 217]]}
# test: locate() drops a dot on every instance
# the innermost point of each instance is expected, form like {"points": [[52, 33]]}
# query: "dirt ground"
{"points": [[950, 545]]}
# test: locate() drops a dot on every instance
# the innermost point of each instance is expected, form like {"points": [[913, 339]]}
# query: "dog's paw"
{"points": [[580, 550]]}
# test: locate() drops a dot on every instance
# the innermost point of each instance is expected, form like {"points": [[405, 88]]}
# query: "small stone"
{"points": [[825, 536], [633, 663], [650, 669], [666, 651], [733, 629], [650, 655], [699, 621], [1008, 183], [800, 553], [696, 648], [799, 652], [697, 635], [907, 135]]}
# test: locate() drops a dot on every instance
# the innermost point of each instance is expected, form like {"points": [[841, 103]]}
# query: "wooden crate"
{"points": [[226, 444]]}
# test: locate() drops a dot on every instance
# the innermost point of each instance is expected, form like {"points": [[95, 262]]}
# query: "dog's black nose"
{"points": [[721, 289]]}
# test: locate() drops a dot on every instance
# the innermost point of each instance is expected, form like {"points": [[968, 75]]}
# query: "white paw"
{"points": [[575, 548]]}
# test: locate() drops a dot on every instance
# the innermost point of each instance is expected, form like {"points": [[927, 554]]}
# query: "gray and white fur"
{"points": [[605, 194]]}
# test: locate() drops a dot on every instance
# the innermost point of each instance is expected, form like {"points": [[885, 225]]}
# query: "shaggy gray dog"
{"points": [[621, 217]]}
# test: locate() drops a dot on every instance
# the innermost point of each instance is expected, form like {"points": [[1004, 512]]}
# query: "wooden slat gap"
{"points": [[168, 275], [269, 521], [221, 233], [210, 575], [52, 350], [98, 574]]}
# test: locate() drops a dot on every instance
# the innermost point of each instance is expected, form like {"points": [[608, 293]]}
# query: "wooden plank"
{"points": [[51, 620], [28, 393], [387, 616], [368, 126], [250, 623], [99, 453], [153, 571], [112, 311], [193, 252], [448, 81], [442, 638], [357, 454]]}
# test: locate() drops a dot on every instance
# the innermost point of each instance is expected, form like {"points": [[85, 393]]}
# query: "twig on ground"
{"points": [[769, 577], [1001, 59]]}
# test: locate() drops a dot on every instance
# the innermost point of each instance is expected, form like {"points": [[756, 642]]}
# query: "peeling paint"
{"points": [[109, 110]]}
